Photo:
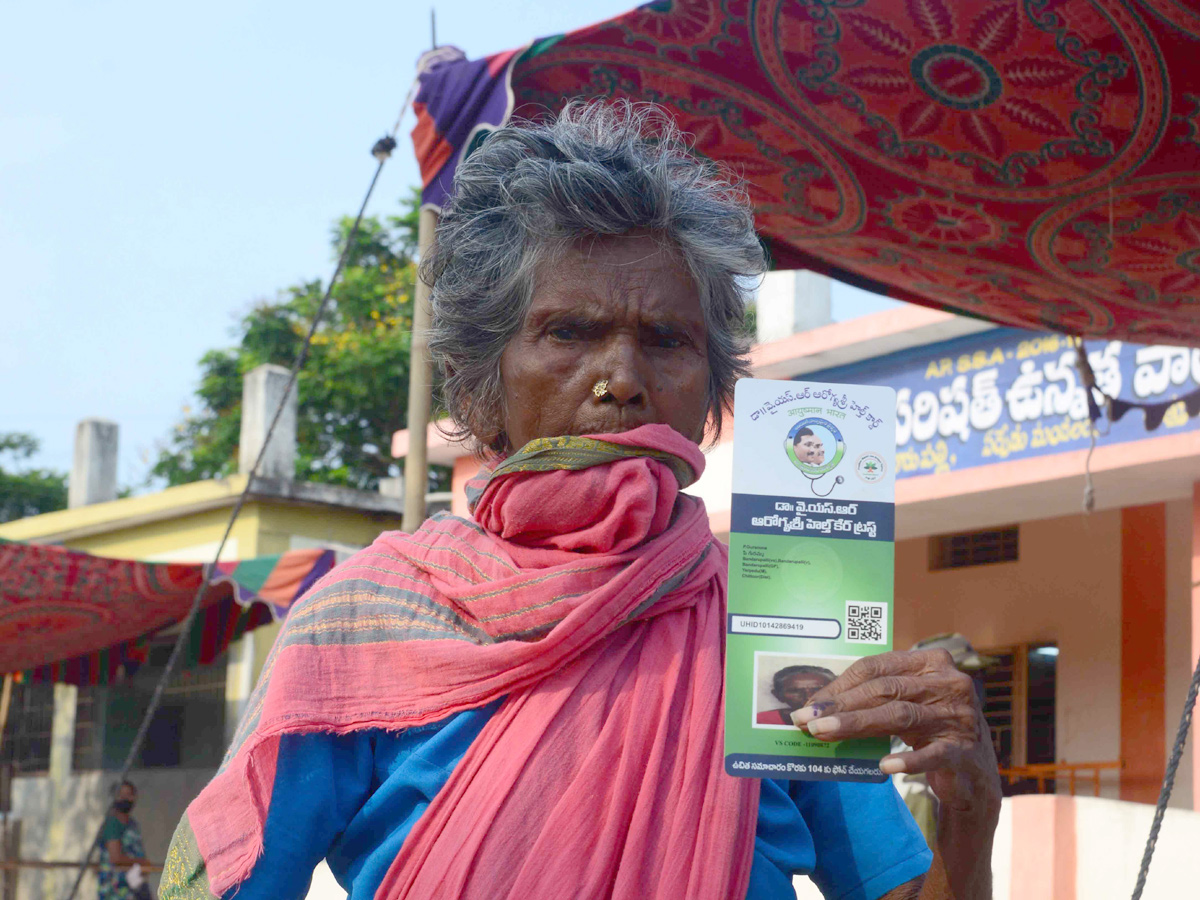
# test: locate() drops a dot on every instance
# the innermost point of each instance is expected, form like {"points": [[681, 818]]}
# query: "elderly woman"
{"points": [[527, 703]]}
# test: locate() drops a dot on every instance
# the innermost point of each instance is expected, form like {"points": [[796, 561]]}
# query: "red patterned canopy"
{"points": [[70, 616], [1032, 162]]}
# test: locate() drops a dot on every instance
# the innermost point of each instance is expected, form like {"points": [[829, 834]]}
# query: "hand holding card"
{"points": [[810, 571]]}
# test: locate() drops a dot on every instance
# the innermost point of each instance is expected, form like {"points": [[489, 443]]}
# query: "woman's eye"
{"points": [[564, 332], [667, 340]]}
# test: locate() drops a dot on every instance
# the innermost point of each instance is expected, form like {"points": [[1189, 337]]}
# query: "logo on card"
{"points": [[870, 468], [815, 446]]}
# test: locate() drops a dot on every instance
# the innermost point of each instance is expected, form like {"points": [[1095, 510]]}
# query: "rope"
{"points": [[1089, 487], [1185, 724], [381, 151]]}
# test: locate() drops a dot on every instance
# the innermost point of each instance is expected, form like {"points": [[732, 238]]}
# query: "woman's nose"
{"points": [[624, 373]]}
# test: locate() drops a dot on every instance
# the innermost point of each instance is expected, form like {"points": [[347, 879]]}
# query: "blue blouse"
{"points": [[352, 799]]}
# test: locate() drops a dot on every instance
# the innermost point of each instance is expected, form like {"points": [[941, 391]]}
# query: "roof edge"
{"points": [[189, 499]]}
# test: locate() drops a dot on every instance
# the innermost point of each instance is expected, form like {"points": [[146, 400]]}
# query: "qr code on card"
{"points": [[866, 623]]}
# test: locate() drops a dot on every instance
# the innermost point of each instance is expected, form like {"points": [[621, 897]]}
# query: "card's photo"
{"points": [[784, 683]]}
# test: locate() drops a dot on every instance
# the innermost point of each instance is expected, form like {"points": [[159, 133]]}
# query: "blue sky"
{"points": [[162, 166]]}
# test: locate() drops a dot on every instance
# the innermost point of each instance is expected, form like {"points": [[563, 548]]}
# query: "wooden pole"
{"points": [[420, 389], [5, 699], [10, 833]]}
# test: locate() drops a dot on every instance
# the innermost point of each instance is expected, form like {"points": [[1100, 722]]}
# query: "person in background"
{"points": [[793, 686], [121, 847], [920, 799]]}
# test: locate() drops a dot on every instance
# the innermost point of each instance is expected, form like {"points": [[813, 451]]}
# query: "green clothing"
{"points": [[113, 885]]}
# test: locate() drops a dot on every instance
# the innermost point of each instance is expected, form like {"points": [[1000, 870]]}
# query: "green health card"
{"points": [[811, 568]]}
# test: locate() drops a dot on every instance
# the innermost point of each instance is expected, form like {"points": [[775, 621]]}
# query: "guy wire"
{"points": [[1160, 810], [381, 151]]}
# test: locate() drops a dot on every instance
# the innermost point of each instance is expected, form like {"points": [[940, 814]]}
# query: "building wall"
{"points": [[1180, 661], [196, 534], [1063, 848], [279, 526], [1065, 588], [77, 808]]}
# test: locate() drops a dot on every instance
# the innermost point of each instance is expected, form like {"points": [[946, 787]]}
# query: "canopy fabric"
{"points": [[1031, 162], [70, 616]]}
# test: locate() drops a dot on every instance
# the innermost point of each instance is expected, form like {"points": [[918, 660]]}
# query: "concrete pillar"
{"points": [[392, 487], [1143, 651], [59, 844], [789, 302], [262, 391], [239, 683], [94, 471]]}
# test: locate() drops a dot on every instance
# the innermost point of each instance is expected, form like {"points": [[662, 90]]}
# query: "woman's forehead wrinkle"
{"points": [[649, 285]]}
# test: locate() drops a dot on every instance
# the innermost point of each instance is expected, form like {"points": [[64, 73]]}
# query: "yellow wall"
{"points": [[197, 534], [279, 523], [97, 518]]}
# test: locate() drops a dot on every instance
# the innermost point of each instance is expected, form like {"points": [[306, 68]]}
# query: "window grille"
{"points": [[188, 728], [1019, 694], [87, 754], [27, 731], [974, 548]]}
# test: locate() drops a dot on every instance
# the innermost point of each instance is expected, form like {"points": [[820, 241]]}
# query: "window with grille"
{"points": [[974, 548], [187, 730], [27, 731], [1019, 694], [90, 706]]}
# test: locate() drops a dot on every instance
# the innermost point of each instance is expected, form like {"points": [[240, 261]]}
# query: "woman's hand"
{"points": [[921, 698]]}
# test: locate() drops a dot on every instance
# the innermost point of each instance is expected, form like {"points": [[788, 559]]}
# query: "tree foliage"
{"points": [[353, 390], [25, 491]]}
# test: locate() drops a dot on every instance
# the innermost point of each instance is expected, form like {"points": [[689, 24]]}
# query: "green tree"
{"points": [[25, 491], [353, 390]]}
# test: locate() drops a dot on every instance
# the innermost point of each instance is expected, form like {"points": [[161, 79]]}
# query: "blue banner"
{"points": [[854, 520], [1009, 394]]}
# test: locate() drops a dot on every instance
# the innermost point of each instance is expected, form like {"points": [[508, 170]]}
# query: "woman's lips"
{"points": [[611, 427]]}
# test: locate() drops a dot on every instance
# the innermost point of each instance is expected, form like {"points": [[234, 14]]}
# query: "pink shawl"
{"points": [[593, 599]]}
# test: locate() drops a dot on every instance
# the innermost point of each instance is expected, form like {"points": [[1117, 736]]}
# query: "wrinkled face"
{"points": [[810, 449], [618, 309], [796, 689]]}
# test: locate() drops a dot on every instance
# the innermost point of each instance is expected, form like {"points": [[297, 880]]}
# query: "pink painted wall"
{"points": [[1065, 588], [1179, 641]]}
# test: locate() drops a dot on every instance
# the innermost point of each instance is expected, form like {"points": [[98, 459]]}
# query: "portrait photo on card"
{"points": [[784, 682]]}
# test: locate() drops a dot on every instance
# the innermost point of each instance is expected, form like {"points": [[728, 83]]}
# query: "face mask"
{"points": [[123, 806]]}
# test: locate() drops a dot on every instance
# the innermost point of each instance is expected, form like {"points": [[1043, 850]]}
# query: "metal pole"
{"points": [[420, 389]]}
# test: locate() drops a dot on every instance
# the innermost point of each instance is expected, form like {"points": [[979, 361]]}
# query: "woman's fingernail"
{"points": [[824, 726], [806, 714], [891, 765]]}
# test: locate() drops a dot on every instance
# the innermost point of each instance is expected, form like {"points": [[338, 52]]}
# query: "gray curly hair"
{"points": [[532, 190]]}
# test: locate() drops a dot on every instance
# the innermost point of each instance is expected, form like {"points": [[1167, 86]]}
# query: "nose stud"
{"points": [[600, 389]]}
